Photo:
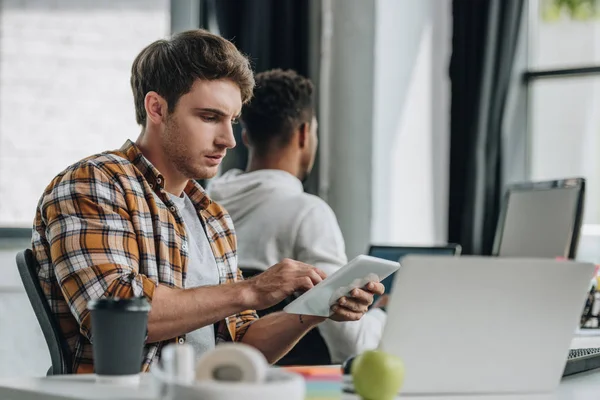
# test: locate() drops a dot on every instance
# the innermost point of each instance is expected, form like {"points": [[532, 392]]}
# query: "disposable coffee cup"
{"points": [[119, 328]]}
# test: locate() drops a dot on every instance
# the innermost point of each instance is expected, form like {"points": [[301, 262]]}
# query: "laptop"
{"points": [[541, 219], [397, 253], [484, 325]]}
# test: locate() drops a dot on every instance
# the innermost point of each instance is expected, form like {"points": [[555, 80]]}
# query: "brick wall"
{"points": [[64, 94], [64, 87]]}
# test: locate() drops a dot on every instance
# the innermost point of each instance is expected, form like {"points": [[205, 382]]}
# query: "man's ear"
{"points": [[303, 134], [156, 107], [245, 139]]}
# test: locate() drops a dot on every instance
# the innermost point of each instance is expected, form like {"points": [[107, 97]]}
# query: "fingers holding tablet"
{"points": [[354, 285], [353, 306], [281, 280], [376, 288]]}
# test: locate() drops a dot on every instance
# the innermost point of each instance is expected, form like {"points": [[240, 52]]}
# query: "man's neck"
{"points": [[281, 163], [175, 182]]}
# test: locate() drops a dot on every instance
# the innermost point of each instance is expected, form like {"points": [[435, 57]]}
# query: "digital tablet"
{"points": [[357, 273]]}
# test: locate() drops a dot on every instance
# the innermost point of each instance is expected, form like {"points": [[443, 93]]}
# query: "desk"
{"points": [[585, 386]]}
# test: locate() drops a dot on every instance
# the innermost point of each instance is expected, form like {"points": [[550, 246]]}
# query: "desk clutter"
{"points": [[322, 383], [235, 370], [232, 370]]}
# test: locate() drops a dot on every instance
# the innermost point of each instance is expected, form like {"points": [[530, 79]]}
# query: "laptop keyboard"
{"points": [[581, 360], [583, 353]]}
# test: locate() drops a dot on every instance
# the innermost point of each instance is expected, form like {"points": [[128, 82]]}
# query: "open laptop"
{"points": [[541, 219], [397, 253], [475, 325]]}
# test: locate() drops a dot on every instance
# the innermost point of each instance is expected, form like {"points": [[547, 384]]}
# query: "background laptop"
{"points": [[475, 325], [541, 219], [397, 253]]}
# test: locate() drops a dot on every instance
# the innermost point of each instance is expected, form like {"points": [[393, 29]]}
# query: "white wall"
{"points": [[64, 94], [346, 132], [64, 88], [23, 350], [410, 123], [392, 126]]}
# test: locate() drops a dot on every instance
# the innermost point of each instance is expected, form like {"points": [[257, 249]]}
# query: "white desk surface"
{"points": [[584, 386]]}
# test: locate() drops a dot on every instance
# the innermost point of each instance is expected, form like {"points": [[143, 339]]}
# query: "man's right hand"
{"points": [[280, 281]]}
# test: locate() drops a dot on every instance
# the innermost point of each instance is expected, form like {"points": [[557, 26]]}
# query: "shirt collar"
{"points": [[195, 192]]}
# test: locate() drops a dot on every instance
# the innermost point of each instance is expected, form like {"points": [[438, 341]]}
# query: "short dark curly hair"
{"points": [[282, 101], [170, 67]]}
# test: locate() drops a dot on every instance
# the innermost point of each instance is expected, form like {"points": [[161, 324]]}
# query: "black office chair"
{"points": [[310, 350], [60, 355]]}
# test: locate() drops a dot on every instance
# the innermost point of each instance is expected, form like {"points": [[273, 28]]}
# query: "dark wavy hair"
{"points": [[282, 101]]}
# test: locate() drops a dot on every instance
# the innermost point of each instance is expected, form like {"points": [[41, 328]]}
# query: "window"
{"points": [[64, 88], [564, 102]]}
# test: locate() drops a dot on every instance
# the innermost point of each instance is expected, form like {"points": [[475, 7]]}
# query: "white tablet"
{"points": [[357, 273]]}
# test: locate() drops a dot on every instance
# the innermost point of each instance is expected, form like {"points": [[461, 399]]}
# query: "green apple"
{"points": [[377, 375]]}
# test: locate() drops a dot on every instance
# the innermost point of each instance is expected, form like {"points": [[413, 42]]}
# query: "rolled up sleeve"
{"points": [[244, 319]]}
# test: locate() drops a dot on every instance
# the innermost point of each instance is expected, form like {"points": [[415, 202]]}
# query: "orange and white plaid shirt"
{"points": [[105, 227]]}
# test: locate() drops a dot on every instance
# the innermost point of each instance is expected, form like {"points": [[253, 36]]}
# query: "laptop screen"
{"points": [[392, 253], [539, 222]]}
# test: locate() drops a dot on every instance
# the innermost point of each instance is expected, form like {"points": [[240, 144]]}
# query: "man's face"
{"points": [[198, 132]]}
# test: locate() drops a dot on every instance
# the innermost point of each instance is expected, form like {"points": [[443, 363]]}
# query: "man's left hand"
{"points": [[356, 304]]}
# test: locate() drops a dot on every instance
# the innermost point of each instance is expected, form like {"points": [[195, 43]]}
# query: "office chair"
{"points": [[310, 350], [60, 355], [250, 272]]}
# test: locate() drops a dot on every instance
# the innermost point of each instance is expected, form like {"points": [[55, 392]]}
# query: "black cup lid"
{"points": [[120, 304]]}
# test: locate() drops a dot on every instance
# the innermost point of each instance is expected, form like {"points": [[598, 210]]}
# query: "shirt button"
{"points": [[181, 340], [184, 246], [159, 180], [173, 208]]}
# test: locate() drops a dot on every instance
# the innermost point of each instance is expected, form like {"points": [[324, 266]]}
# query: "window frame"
{"points": [[530, 75]]}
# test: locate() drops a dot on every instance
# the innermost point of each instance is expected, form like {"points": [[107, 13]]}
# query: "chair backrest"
{"points": [[310, 350], [250, 272], [57, 346]]}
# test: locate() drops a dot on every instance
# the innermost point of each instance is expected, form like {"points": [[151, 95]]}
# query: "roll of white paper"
{"points": [[232, 362], [178, 362]]}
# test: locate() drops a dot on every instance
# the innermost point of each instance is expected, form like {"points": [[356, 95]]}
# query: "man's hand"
{"points": [[280, 281], [354, 306]]}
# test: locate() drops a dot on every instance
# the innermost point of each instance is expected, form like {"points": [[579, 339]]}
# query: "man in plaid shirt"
{"points": [[134, 222]]}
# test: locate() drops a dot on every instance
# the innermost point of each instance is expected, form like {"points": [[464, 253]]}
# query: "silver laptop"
{"points": [[474, 325], [541, 219]]}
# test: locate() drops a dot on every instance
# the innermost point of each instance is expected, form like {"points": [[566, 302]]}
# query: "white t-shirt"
{"points": [[274, 219], [202, 268]]}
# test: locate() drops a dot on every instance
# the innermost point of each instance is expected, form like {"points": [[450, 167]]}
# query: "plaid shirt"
{"points": [[105, 227]]}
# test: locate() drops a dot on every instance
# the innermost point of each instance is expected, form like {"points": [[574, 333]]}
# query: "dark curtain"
{"points": [[272, 33], [484, 41]]}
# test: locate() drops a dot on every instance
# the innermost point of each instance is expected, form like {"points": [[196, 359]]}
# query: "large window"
{"points": [[64, 88], [564, 101]]}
